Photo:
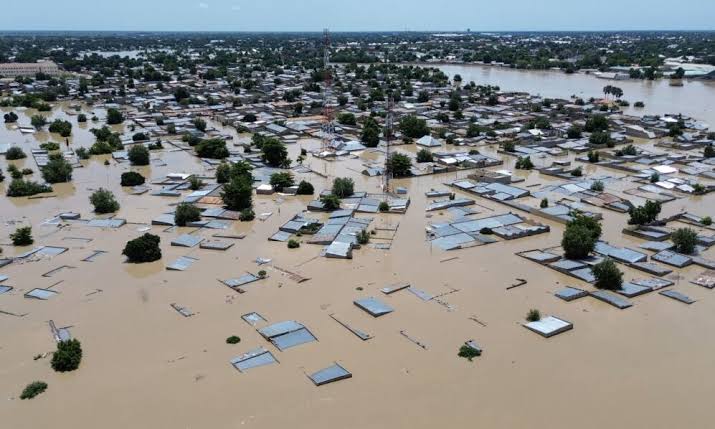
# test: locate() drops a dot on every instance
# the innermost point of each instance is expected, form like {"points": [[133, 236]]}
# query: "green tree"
{"points": [[57, 170], [330, 202], [424, 155], [413, 127], [212, 149], [186, 213], [237, 194], [275, 153], [132, 178], [343, 187], [399, 165], [103, 201], [305, 188], [685, 240], [68, 356], [138, 155], [645, 214], [22, 236], [114, 116], [143, 249], [607, 275], [282, 180], [63, 128]]}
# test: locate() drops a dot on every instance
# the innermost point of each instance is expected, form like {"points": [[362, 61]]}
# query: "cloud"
{"points": [[203, 5], [236, 7]]}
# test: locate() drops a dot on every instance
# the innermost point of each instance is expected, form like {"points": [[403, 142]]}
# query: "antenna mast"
{"points": [[328, 114], [387, 174]]}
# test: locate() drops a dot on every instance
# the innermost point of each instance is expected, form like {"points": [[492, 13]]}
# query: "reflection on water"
{"points": [[693, 99]]}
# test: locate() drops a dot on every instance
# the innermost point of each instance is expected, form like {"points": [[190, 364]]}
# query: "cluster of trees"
{"points": [[645, 214], [143, 249], [580, 236], [370, 136], [413, 127], [61, 127]]}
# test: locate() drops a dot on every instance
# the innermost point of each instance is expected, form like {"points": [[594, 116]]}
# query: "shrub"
{"points": [[645, 214], [509, 146], [707, 221], [574, 132], [114, 116], [200, 124], [223, 173], [195, 183], [38, 121], [593, 156], [639, 104], [363, 237], [27, 171], [282, 180], [577, 241], [212, 148], [577, 172], [33, 389], [413, 127], [424, 155], [275, 153], [599, 138], [533, 315], [384, 206], [685, 240], [103, 201], [68, 356], [399, 165], [654, 178], [81, 118], [233, 339], [138, 155], [343, 187], [596, 123], [709, 151], [143, 249], [63, 128], [26, 188], [597, 186], [305, 188], [139, 137], [82, 153], [57, 170], [22, 236], [486, 231], [15, 152], [101, 148], [607, 275], [544, 203], [10, 117], [237, 194], [132, 178], [293, 244], [524, 163], [185, 213], [330, 202], [262, 274], [50, 146], [347, 119], [468, 353], [247, 215]]}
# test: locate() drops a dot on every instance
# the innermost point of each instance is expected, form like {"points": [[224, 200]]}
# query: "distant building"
{"points": [[13, 70]]}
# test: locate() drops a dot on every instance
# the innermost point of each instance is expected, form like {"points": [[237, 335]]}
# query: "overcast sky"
{"points": [[359, 15]]}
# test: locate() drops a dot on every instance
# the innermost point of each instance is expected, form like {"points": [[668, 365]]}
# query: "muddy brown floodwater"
{"points": [[145, 366]]}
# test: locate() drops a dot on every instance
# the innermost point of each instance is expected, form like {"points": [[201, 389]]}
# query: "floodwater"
{"points": [[145, 366], [694, 98]]}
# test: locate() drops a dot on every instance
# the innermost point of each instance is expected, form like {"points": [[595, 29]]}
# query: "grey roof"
{"points": [[612, 299], [107, 223], [186, 240], [181, 264], [672, 258], [374, 306], [330, 374], [241, 281], [631, 290], [677, 296], [570, 293], [287, 334], [549, 326], [253, 359], [253, 318], [4, 289], [216, 245], [39, 293]]}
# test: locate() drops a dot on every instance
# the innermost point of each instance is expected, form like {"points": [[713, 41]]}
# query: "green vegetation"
{"points": [[593, 156], [246, 215], [343, 187], [103, 201], [645, 214], [114, 117], [68, 356], [707, 221], [685, 240], [384, 207], [212, 149], [709, 151], [22, 236], [330, 202], [195, 183], [580, 236], [57, 170], [597, 186], [61, 127], [293, 244], [186, 213], [399, 165], [533, 315], [143, 249], [14, 152], [138, 155], [82, 153], [305, 188], [596, 123], [275, 153], [544, 203], [26, 188], [424, 155], [38, 121], [132, 178], [33, 389], [237, 194], [363, 237], [413, 127], [577, 172], [370, 136], [282, 180], [233, 339], [607, 275], [50, 146], [524, 163], [223, 173], [468, 353]]}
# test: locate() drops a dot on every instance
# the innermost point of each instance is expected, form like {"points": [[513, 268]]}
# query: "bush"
{"points": [[399, 165], [63, 128], [597, 186], [596, 123], [195, 183], [305, 188], [707, 221], [524, 163], [709, 151], [247, 215], [237, 194], [212, 148], [654, 178], [363, 237], [26, 188], [185, 213], [22, 236], [81, 118], [139, 137], [57, 170], [143, 249], [645, 214], [15, 152], [101, 148], [577, 241], [509, 146], [103, 201], [468, 353], [413, 127], [593, 156], [33, 389], [138, 155], [577, 172], [262, 274], [233, 339], [330, 202], [486, 231], [68, 356], [114, 117], [10, 117], [27, 171], [384, 207], [424, 155], [343, 187], [50, 146], [293, 244], [533, 315], [599, 138], [607, 275], [82, 153], [200, 124], [132, 178], [282, 180], [275, 153], [639, 104], [685, 240], [38, 121], [223, 173], [574, 132], [544, 203]]}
